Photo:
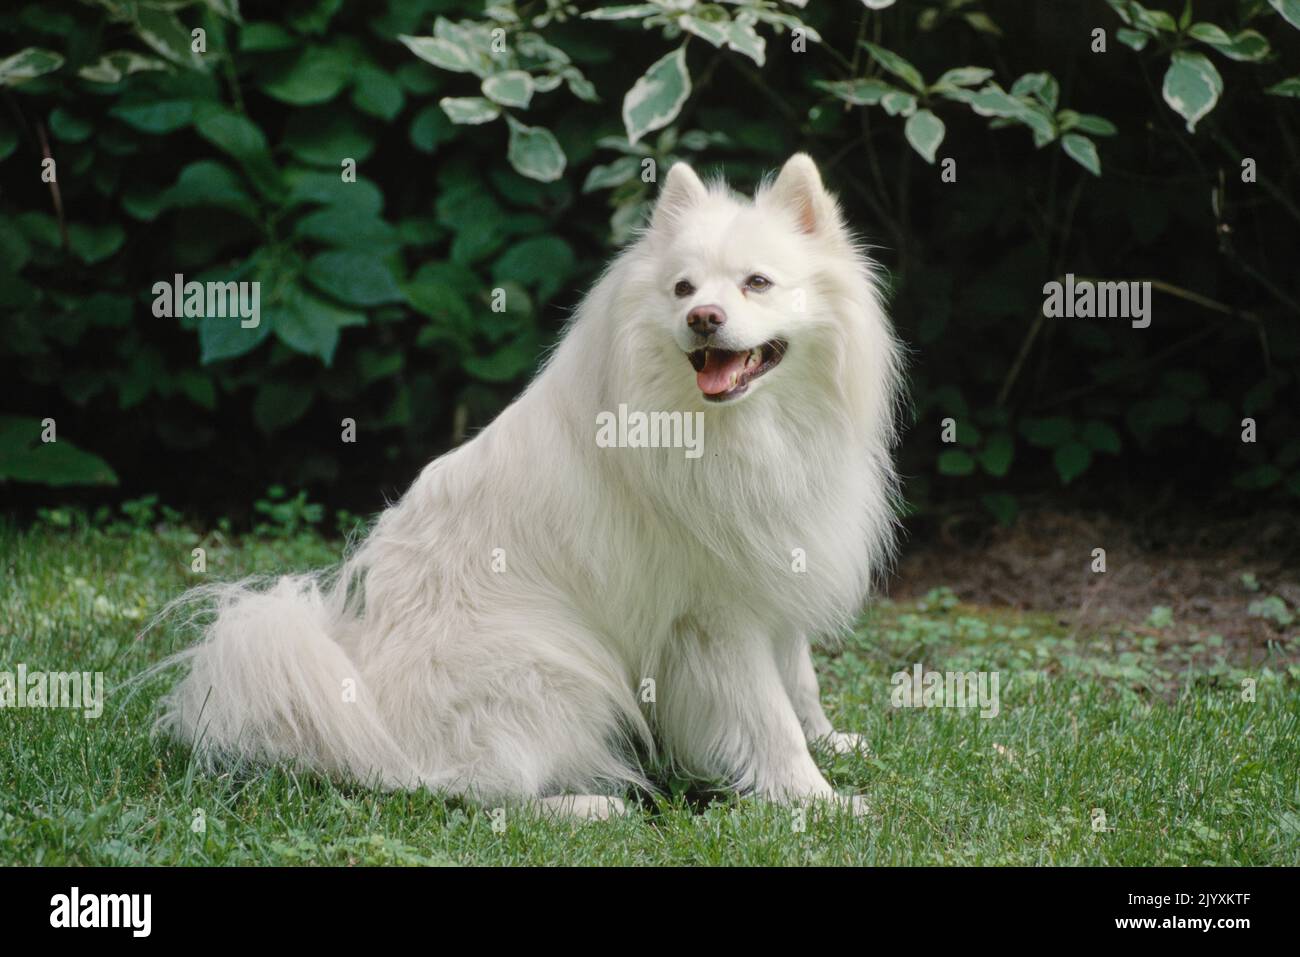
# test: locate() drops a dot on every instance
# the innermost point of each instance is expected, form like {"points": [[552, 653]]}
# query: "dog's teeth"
{"points": [[735, 377]]}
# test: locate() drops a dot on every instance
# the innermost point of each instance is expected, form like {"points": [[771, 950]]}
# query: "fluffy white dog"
{"points": [[541, 610]]}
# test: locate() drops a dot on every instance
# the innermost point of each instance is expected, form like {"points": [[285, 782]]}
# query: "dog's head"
{"points": [[739, 288]]}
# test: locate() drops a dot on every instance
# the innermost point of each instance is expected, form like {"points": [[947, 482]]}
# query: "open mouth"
{"points": [[724, 374]]}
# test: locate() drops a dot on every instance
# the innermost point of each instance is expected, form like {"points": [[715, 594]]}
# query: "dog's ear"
{"points": [[682, 190], [799, 189]]}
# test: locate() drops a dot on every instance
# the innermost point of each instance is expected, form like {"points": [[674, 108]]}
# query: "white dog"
{"points": [[540, 609]]}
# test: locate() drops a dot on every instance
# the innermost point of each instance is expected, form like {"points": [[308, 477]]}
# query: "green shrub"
{"points": [[500, 150]]}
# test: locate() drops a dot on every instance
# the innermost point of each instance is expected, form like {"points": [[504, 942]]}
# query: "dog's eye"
{"points": [[758, 283], [683, 289]]}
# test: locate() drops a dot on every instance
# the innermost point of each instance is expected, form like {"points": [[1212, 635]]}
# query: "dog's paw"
{"points": [[843, 742], [854, 803], [829, 802], [583, 807]]}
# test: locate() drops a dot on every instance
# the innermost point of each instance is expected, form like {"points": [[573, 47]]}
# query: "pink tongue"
{"points": [[715, 377]]}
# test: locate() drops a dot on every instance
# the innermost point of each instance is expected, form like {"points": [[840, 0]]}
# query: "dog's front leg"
{"points": [[723, 711], [801, 684]]}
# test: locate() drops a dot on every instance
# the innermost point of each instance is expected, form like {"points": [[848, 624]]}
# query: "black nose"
{"points": [[706, 319]]}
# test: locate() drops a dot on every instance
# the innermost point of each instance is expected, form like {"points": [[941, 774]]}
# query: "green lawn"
{"points": [[1147, 723]]}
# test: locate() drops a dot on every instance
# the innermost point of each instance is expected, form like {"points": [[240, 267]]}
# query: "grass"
{"points": [[1146, 724]]}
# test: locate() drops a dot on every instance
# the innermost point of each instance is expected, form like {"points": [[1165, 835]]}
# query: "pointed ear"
{"points": [[799, 189], [682, 190]]}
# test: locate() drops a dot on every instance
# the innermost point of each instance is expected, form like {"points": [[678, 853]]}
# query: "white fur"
{"points": [[621, 564]]}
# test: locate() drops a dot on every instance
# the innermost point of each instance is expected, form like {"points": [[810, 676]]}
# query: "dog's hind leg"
{"points": [[520, 710]]}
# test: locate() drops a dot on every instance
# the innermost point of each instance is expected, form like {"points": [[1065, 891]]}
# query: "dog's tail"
{"points": [[269, 682]]}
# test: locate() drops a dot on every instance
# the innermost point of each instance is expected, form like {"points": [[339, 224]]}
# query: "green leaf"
{"points": [[713, 31], [657, 96], [1002, 506], [510, 88], [1100, 437], [1083, 151], [439, 290], [93, 244], [236, 134], [544, 263], [1288, 87], [1192, 86], [612, 174], [1134, 39], [316, 76], [354, 277], [506, 364], [431, 127], [1290, 10], [265, 38], [1245, 45], [69, 127], [1209, 33], [627, 11], [534, 152], [1071, 460], [1047, 433], [279, 404], [743, 38], [963, 76], [209, 183], [198, 388], [325, 137], [992, 100], [311, 325], [227, 338], [164, 33], [242, 139], [377, 92], [925, 132], [470, 110], [446, 55], [956, 462], [341, 226], [997, 454], [1151, 21], [982, 23], [1042, 86], [856, 92], [28, 64], [896, 65], [363, 197], [112, 67], [898, 102], [158, 117], [25, 458], [1096, 125]]}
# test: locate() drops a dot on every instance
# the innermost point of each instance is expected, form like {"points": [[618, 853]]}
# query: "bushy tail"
{"points": [[267, 682]]}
